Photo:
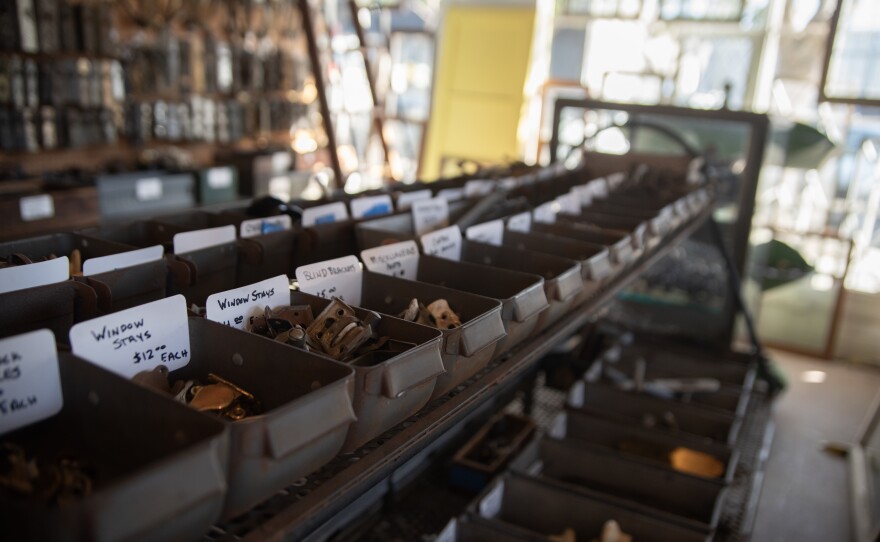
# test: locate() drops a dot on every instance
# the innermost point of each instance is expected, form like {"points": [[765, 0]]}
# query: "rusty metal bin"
{"points": [[535, 506], [390, 391], [307, 403], [562, 276], [116, 290], [159, 468], [54, 306], [596, 268], [470, 528], [466, 349], [578, 464], [578, 425]]}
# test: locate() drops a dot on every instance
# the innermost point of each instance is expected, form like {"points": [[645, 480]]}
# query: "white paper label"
{"points": [[30, 383], [324, 214], [584, 194], [521, 222], [599, 187], [397, 259], [406, 199], [430, 215], [36, 207], [137, 339], [491, 232], [281, 162], [279, 187], [445, 243], [19, 277], [262, 226], [546, 213], [490, 506], [449, 533], [340, 278], [148, 189], [235, 307], [569, 204], [476, 188], [191, 241], [615, 180], [103, 264], [219, 178], [451, 194], [508, 183], [681, 208], [371, 206]]}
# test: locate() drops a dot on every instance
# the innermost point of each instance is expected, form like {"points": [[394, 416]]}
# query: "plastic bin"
{"points": [[391, 391], [116, 290], [533, 506], [637, 407], [562, 276], [578, 425], [159, 467], [579, 464], [306, 400], [467, 349], [54, 306]]}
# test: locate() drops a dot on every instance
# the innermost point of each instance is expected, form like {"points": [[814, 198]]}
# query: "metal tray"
{"points": [[470, 528], [399, 227], [389, 392], [54, 306], [159, 467], [620, 245], [637, 228]]}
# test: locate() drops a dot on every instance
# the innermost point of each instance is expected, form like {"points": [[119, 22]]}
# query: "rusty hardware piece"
{"points": [[568, 535], [219, 396], [611, 532], [679, 458], [56, 481], [438, 314], [338, 332], [17, 258]]}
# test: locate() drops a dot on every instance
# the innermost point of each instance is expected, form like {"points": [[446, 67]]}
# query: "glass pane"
{"points": [[701, 10], [854, 67], [567, 56]]}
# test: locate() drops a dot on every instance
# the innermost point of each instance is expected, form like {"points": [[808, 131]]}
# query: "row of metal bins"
{"points": [[607, 458]]}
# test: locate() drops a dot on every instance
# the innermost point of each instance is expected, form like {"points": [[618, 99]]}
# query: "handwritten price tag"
{"points": [[371, 206], [19, 277], [569, 204], [235, 307], [30, 384], [340, 278], [324, 214], [397, 259], [445, 243], [429, 215], [491, 232], [262, 226], [406, 199], [521, 222], [191, 241], [136, 339], [583, 193], [104, 264]]}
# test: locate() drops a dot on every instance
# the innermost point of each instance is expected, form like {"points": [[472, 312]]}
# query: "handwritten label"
{"points": [[521, 222], [340, 278], [569, 204], [546, 213], [220, 178], [406, 199], [371, 206], [30, 383], [235, 307], [19, 277], [451, 194], [429, 215], [445, 243], [190, 241], [491, 232], [397, 259], [583, 193], [476, 188], [262, 226], [36, 207], [104, 264], [324, 214], [148, 189], [137, 339], [599, 187]]}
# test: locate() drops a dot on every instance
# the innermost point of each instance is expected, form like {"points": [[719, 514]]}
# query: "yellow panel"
{"points": [[483, 60]]}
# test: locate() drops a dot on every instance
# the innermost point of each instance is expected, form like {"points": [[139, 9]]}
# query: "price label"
{"points": [[508, 183], [325, 214], [280, 186], [682, 209], [406, 199], [397, 259], [136, 339], [281, 162], [148, 189], [235, 307], [476, 188], [600, 188], [371, 206], [262, 226], [30, 383], [36, 207], [104, 264], [615, 180], [521, 222], [546, 213], [490, 506], [19, 277], [584, 194], [451, 194], [429, 215], [220, 178], [569, 204], [340, 278], [491, 232], [191, 241], [445, 243]]}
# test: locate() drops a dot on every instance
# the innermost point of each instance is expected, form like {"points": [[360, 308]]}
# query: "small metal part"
{"points": [[337, 331], [219, 380], [443, 316], [411, 313], [75, 263], [213, 397], [156, 379]]}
